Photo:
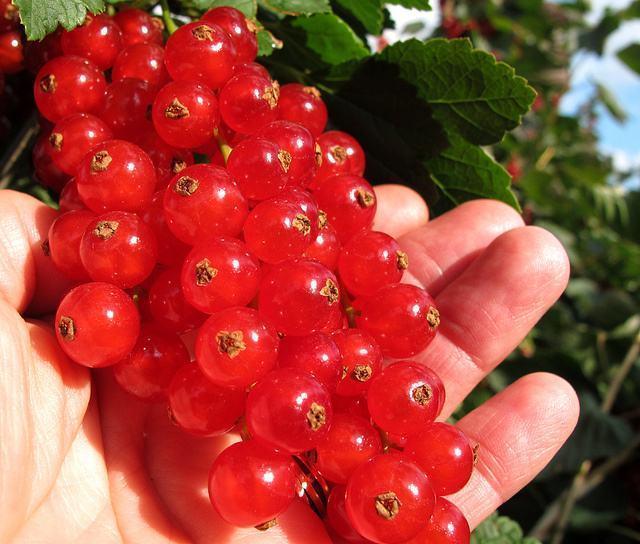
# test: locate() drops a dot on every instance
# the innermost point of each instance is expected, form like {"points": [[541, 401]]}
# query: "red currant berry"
{"points": [[168, 306], [200, 407], [73, 137], [361, 361], [45, 170], [446, 526], [171, 251], [201, 202], [70, 199], [299, 297], [218, 274], [405, 398], [326, 247], [235, 348], [289, 410], [389, 500], [202, 52], [168, 160], [369, 261], [127, 108], [9, 16], [116, 175], [444, 454], [143, 61], [137, 26], [185, 114], [97, 324], [305, 203], [304, 106], [99, 39], [241, 30], [356, 406], [248, 103], [350, 442], [259, 168], [316, 354], [250, 485], [349, 202], [299, 143], [64, 238], [337, 518], [402, 318], [68, 85], [251, 68], [11, 52], [148, 370], [341, 154]]}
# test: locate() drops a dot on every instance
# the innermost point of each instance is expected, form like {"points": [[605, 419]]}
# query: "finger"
{"points": [[28, 277], [441, 250], [400, 210], [491, 307], [518, 431]]}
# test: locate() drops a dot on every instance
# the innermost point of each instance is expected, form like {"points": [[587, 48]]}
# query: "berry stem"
{"points": [[224, 147], [166, 17]]}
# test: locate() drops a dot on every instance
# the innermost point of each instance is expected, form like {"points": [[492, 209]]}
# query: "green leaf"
{"points": [[415, 4], [331, 38], [248, 7], [367, 12], [610, 102], [297, 7], [469, 91], [630, 55], [43, 17], [267, 43], [464, 172], [500, 530]]}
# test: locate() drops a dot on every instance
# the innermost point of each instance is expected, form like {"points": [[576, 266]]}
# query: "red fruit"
{"points": [[168, 160], [64, 238], [171, 251], [73, 137], [126, 109], [299, 297], [119, 248], [259, 167], [369, 261], [341, 154], [37, 54], [303, 105], [326, 247], [99, 39], [200, 407], [116, 175], [203, 202], [389, 499], [70, 199], [316, 354], [218, 274], [185, 114], [444, 454], [446, 526], [299, 143], [68, 85], [306, 204], [235, 348], [9, 16], [405, 398], [11, 52], [349, 202], [45, 170], [351, 441], [143, 61], [249, 103], [361, 361], [97, 324], [168, 306], [148, 370], [356, 406], [201, 52], [337, 518], [137, 26], [241, 30], [250, 485], [289, 410], [252, 68], [402, 318]]}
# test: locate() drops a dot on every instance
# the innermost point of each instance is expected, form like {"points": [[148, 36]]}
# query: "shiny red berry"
{"points": [[248, 103], [99, 39], [303, 105], [143, 61], [361, 361], [241, 30], [70, 199], [171, 251], [337, 519], [326, 247], [446, 526], [251, 68], [11, 52], [127, 108], [137, 26], [168, 160], [97, 324], [65, 235], [45, 170], [341, 154]]}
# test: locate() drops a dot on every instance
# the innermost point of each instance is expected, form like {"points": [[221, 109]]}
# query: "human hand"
{"points": [[80, 460]]}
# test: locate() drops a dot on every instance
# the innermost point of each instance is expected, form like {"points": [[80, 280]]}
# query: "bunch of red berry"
{"points": [[264, 252]]}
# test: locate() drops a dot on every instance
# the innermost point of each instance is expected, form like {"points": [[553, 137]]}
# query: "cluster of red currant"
{"points": [[263, 259]]}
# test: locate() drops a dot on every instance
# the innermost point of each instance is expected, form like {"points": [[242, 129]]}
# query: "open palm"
{"points": [[81, 461]]}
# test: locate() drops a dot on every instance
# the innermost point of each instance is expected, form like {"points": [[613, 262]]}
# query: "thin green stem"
{"points": [[621, 374], [224, 147], [166, 17]]}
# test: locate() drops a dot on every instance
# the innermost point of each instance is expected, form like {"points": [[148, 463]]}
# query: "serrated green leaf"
{"points": [[267, 43], [248, 7], [500, 530], [297, 7], [630, 55], [464, 171], [470, 92], [41, 17], [412, 4], [331, 38], [367, 12]]}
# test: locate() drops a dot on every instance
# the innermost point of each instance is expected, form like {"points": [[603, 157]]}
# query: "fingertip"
{"points": [[400, 210]]}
